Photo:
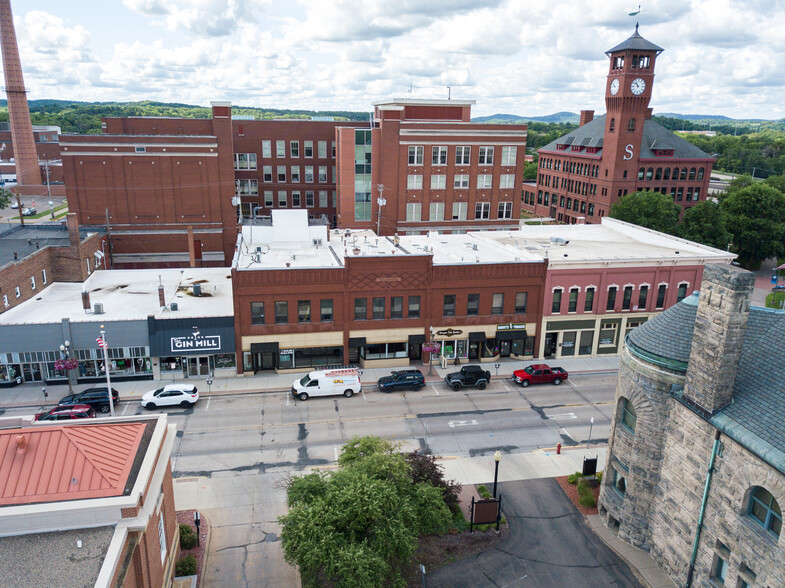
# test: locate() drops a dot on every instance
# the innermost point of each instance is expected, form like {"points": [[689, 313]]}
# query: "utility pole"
{"points": [[380, 201]]}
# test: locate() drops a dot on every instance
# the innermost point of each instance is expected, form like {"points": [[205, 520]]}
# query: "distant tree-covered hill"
{"points": [[558, 117]]}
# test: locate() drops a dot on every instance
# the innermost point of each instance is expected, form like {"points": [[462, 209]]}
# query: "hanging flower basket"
{"points": [[432, 347], [64, 365]]}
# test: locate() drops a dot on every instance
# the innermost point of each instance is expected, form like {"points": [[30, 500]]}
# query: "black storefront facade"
{"points": [[186, 348]]}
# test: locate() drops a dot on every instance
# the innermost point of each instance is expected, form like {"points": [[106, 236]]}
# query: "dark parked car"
{"points": [[470, 375], [67, 412], [95, 397], [29, 212], [411, 379]]}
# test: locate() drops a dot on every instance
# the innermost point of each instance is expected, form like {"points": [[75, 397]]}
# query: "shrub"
{"points": [[186, 566], [187, 537], [599, 477], [483, 491], [586, 496], [573, 478], [425, 469]]}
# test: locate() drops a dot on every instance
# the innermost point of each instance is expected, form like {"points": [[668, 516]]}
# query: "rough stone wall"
{"points": [[647, 388]]}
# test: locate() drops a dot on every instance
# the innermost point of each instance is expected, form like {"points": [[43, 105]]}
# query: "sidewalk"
{"points": [[32, 395]]}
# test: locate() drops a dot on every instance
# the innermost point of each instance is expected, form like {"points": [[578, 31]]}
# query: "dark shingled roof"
{"points": [[667, 337], [655, 136], [636, 43]]}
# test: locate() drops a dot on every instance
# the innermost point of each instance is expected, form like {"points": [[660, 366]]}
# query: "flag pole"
{"points": [[105, 346]]}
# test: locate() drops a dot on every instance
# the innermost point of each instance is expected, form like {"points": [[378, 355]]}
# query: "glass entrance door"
{"points": [[550, 344], [504, 348], [32, 372], [568, 343], [264, 361], [198, 366]]}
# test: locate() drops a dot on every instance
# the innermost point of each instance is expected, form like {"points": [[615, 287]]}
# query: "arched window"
{"points": [[692, 173], [658, 174], [683, 174], [613, 125], [628, 417], [667, 175], [700, 173], [675, 173], [649, 173], [641, 173], [765, 510], [631, 124]]}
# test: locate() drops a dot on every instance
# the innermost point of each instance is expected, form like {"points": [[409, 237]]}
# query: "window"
{"points": [[436, 211], [505, 210], [415, 154], [322, 149], [396, 307], [719, 570], [631, 124], [303, 311], [5, 301], [473, 304], [661, 295], [618, 481], [378, 308], [295, 173], [413, 211], [627, 298], [438, 182], [19, 292], [482, 210], [162, 534], [322, 174], [484, 180], [461, 181], [43, 276], [486, 156], [497, 305], [326, 309], [294, 148], [611, 305], [611, 128], [268, 198], [308, 148], [459, 210], [765, 510], [280, 148], [267, 173], [360, 309], [588, 304], [281, 311], [628, 418], [572, 304], [296, 199], [32, 282], [449, 305], [556, 304], [521, 298], [682, 292], [643, 293], [462, 155], [414, 182], [414, 307], [309, 198], [507, 181], [509, 155], [257, 313], [282, 198], [322, 198], [245, 161], [247, 187], [439, 155], [266, 149], [309, 174], [281, 173]]}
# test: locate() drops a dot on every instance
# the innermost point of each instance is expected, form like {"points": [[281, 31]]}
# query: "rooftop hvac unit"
{"points": [[173, 306], [197, 289], [98, 308]]}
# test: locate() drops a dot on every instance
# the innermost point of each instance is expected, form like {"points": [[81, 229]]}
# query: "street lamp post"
{"points": [[105, 346], [591, 426], [65, 351], [497, 458]]}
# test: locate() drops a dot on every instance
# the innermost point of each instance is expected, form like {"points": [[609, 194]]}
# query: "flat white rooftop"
{"points": [[130, 295]]}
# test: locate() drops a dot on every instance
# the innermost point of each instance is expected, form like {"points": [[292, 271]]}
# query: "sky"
{"points": [[722, 57]]}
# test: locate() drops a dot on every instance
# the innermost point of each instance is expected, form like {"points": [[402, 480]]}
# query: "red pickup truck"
{"points": [[539, 373]]}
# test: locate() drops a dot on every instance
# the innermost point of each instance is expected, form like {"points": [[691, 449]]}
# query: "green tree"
{"points": [[6, 197], [529, 170], [705, 223], [652, 210], [755, 215]]}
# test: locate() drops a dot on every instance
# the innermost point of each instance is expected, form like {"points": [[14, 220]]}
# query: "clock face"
{"points": [[614, 86], [637, 86]]}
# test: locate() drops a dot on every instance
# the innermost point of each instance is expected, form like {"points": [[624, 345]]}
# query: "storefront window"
{"points": [[385, 351], [171, 364], [586, 343], [225, 360], [317, 357], [490, 348], [528, 348], [448, 349], [608, 333], [247, 361]]}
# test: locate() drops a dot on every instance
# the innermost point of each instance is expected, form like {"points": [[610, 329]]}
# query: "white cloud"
{"points": [[211, 18]]}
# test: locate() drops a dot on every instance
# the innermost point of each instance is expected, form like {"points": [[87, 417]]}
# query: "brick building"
{"points": [[695, 471], [32, 257], [423, 166], [581, 174], [103, 517]]}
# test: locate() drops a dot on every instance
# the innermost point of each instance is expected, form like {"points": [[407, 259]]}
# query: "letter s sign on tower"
{"points": [[628, 151]]}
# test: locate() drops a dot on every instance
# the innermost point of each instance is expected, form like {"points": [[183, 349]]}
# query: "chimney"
{"points": [[191, 247], [73, 230], [720, 325], [86, 300], [21, 442], [586, 117]]}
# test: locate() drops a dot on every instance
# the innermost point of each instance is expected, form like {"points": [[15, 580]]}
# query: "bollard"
{"points": [[558, 449]]}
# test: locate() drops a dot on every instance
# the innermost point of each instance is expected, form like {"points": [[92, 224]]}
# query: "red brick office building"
{"points": [[584, 172], [424, 166]]}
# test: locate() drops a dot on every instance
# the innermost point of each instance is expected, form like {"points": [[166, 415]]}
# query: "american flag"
{"points": [[101, 343]]}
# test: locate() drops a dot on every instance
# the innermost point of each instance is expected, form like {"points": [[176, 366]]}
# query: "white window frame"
{"points": [[267, 174], [509, 154], [309, 174], [439, 155], [269, 200], [296, 199], [307, 146], [249, 161], [460, 181], [485, 210], [283, 203], [438, 182], [416, 154], [280, 148], [43, 275], [322, 174], [322, 146], [281, 172], [5, 301], [294, 148], [463, 155], [162, 534], [485, 155], [309, 199], [505, 209], [459, 210], [413, 211], [295, 171], [322, 198], [506, 181], [247, 187], [436, 211], [414, 182], [267, 148], [32, 282], [484, 181]]}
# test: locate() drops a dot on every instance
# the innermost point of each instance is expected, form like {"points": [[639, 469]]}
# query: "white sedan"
{"points": [[172, 395]]}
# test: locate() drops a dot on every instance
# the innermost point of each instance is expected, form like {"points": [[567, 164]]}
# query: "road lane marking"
{"points": [[567, 415], [505, 386], [124, 409], [335, 451], [566, 433], [435, 390], [453, 424], [206, 408]]}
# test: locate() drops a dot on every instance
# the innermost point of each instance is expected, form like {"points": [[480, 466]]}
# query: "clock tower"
{"points": [[627, 96]]}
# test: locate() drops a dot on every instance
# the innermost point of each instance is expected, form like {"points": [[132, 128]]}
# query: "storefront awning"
{"points": [[416, 339], [356, 341], [510, 335], [477, 336], [264, 347]]}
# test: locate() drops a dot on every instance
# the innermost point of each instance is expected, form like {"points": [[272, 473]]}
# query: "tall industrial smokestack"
{"points": [[25, 154]]}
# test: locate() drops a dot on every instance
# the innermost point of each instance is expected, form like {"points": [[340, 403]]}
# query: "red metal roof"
{"points": [[47, 464]]}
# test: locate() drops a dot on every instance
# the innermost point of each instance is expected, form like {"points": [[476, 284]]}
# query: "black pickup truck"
{"points": [[470, 375]]}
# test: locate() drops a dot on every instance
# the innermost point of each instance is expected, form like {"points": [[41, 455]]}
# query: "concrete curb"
{"points": [[206, 548]]}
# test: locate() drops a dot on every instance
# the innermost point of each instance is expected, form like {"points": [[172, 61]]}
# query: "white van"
{"points": [[344, 381]]}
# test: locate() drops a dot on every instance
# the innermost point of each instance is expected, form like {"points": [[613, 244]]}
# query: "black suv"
{"points": [[95, 397], [412, 379]]}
